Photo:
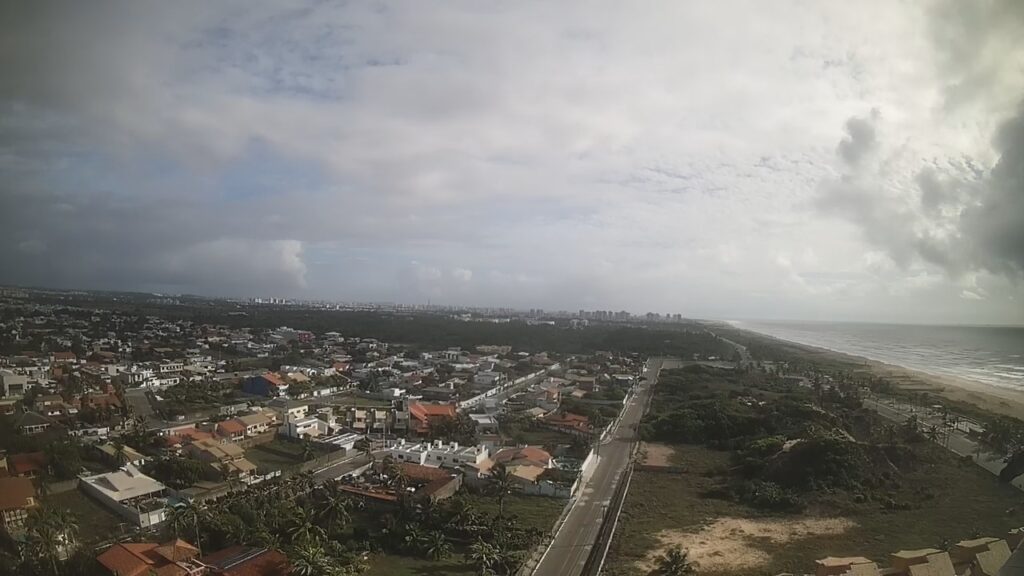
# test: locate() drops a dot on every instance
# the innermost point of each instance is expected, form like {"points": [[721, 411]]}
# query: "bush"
{"points": [[769, 496]]}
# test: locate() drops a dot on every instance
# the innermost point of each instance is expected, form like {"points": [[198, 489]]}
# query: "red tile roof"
{"points": [[144, 558], [231, 428], [274, 379], [424, 413], [16, 493], [528, 454], [569, 420], [21, 464]]}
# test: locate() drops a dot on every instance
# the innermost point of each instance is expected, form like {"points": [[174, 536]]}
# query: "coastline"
{"points": [[985, 397]]}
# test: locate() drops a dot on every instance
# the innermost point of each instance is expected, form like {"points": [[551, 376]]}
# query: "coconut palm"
{"points": [[674, 562], [302, 527], [309, 559], [332, 508], [502, 484]]}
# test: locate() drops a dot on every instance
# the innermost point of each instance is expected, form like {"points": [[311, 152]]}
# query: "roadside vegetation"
{"points": [[776, 475]]}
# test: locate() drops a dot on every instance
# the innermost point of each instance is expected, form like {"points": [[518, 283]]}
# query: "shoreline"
{"points": [[985, 397]]}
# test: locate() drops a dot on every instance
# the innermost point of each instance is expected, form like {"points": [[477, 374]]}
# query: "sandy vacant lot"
{"points": [[728, 543], [656, 454]]}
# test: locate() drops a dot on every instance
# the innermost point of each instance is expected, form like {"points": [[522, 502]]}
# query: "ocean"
{"points": [[992, 355]]}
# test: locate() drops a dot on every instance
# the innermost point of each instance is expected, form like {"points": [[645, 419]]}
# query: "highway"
{"points": [[571, 546]]}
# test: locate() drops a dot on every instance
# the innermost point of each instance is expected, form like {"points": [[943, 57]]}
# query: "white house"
{"points": [[307, 426], [438, 454], [129, 493]]}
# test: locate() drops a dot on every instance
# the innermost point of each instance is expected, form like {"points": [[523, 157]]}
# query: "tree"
{"points": [[309, 559], [365, 446], [332, 507], [49, 531], [437, 546], [120, 455], [303, 528], [308, 453], [484, 556], [674, 562], [503, 483]]}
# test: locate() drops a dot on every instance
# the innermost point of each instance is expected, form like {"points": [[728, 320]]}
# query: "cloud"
{"points": [[528, 154], [860, 140]]}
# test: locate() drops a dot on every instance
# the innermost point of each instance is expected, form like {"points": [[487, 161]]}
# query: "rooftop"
{"points": [[124, 484]]}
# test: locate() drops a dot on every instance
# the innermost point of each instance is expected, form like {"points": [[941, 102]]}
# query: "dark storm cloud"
{"points": [[995, 224], [951, 214]]}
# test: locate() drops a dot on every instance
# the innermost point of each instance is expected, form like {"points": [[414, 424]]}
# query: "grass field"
{"points": [[393, 565], [95, 523], [956, 501], [532, 511]]}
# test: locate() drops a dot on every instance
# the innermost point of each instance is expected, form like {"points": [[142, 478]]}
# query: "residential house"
{"points": [[286, 408], [422, 415], [129, 493], [568, 422], [28, 465], [232, 430], [17, 497], [982, 556], [13, 384], [305, 427], [922, 562], [224, 460], [267, 384], [174, 558], [34, 423], [121, 456], [246, 561], [437, 453], [255, 424]]}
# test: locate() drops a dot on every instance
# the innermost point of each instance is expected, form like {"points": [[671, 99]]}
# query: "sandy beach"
{"points": [[985, 397]]}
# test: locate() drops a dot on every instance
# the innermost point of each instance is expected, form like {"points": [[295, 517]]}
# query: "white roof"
{"points": [[124, 484]]}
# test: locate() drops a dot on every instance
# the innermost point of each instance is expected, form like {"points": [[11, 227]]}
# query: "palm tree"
{"points": [[674, 562], [393, 470], [302, 527], [437, 546], [308, 453], [484, 556], [365, 446], [120, 455], [503, 483], [182, 516], [333, 508], [309, 559]]}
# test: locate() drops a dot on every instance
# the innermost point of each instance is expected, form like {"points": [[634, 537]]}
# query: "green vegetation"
{"points": [[756, 446], [392, 565], [530, 511], [195, 397]]}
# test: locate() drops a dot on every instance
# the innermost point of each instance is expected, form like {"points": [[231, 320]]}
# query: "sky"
{"points": [[797, 159]]}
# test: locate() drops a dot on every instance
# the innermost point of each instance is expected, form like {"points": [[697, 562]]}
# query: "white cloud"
{"points": [[531, 154]]}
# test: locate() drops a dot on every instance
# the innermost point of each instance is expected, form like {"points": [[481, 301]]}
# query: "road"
{"points": [[571, 546], [957, 442]]}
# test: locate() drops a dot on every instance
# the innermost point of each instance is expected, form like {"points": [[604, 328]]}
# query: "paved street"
{"points": [[568, 553], [958, 442]]}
